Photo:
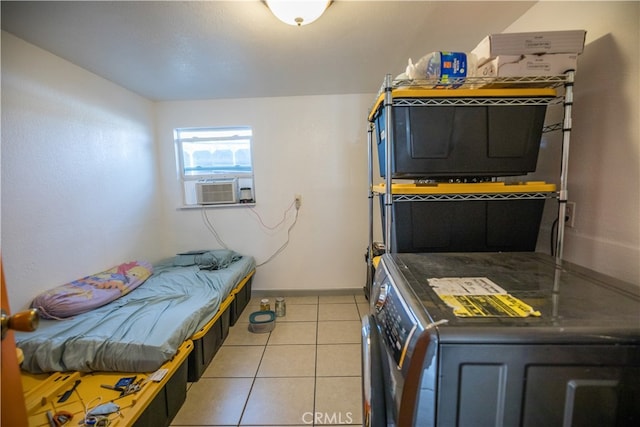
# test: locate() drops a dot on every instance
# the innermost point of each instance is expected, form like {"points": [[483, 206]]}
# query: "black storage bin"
{"points": [[242, 297], [166, 404], [205, 347], [176, 391], [503, 225], [461, 141]]}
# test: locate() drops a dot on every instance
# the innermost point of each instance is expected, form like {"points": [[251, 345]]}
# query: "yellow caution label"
{"points": [[502, 305]]}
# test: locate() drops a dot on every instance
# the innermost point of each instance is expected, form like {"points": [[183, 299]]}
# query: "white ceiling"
{"points": [[171, 50]]}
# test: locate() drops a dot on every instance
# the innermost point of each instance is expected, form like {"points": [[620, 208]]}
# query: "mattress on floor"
{"points": [[139, 331]]}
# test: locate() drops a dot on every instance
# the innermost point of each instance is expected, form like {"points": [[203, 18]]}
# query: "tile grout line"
{"points": [[303, 341], [253, 381], [315, 368]]}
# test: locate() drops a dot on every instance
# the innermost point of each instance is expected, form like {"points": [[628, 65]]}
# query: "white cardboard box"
{"points": [[494, 45], [551, 64]]}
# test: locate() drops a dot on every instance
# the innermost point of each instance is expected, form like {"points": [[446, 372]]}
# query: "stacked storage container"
{"points": [[457, 142]]}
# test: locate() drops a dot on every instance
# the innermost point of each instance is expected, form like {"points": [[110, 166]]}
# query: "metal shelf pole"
{"points": [[370, 247], [563, 195], [387, 106], [388, 202]]}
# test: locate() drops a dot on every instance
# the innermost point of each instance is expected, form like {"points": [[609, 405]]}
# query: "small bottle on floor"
{"points": [[281, 307]]}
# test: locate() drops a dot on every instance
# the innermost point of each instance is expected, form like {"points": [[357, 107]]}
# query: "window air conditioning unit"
{"points": [[213, 192]]}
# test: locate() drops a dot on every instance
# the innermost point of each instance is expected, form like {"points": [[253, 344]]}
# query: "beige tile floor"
{"points": [[306, 372]]}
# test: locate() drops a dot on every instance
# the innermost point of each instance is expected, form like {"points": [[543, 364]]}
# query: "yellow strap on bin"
{"points": [[468, 188], [406, 92]]}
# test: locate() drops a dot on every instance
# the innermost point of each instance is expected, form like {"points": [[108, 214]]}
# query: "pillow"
{"points": [[216, 259], [92, 291], [187, 259]]}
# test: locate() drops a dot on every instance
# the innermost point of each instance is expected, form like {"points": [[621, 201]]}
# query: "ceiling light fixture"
{"points": [[297, 12]]}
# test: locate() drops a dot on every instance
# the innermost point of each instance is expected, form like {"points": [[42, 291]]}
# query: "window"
{"points": [[218, 157]]}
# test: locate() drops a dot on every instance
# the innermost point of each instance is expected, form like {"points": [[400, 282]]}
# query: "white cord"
{"points": [[87, 410], [212, 229], [284, 245], [284, 217]]}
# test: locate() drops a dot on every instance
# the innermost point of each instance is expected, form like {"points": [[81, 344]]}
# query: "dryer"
{"points": [[576, 362]]}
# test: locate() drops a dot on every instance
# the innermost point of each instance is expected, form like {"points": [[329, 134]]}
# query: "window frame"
{"points": [[189, 178]]}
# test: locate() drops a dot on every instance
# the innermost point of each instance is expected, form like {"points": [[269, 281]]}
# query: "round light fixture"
{"points": [[298, 13]]}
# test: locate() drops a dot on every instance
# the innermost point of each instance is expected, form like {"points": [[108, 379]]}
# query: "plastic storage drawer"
{"points": [[443, 139], [468, 217]]}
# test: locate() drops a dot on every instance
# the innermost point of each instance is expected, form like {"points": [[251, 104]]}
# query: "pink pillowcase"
{"points": [[92, 291]]}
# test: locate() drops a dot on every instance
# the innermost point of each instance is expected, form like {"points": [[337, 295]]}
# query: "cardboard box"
{"points": [[552, 64], [533, 43]]}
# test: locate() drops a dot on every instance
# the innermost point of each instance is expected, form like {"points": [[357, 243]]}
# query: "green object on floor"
{"points": [[263, 321]]}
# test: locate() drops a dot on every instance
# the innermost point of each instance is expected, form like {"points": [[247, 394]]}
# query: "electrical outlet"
{"points": [[570, 214], [298, 198]]}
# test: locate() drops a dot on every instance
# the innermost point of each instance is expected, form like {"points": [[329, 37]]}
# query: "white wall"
{"points": [[78, 173], [604, 163], [79, 168], [314, 146]]}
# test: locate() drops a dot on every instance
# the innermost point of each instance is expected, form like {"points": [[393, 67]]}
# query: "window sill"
{"points": [[214, 206]]}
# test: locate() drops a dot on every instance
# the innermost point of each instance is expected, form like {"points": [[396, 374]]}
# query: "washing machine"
{"points": [[499, 339]]}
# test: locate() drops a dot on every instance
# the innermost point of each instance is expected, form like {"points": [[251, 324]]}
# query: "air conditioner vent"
{"points": [[211, 192]]}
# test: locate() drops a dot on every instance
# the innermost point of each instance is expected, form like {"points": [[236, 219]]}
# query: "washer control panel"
{"points": [[395, 321]]}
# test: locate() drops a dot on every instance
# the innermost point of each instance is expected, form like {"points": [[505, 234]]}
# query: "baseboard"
{"points": [[305, 292]]}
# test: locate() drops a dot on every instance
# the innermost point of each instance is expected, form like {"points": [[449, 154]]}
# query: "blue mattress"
{"points": [[143, 329]]}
